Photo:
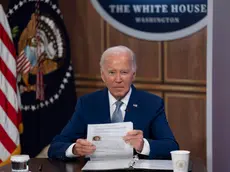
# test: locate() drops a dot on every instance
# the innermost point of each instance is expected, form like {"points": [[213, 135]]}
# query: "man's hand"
{"points": [[135, 139], [83, 147]]}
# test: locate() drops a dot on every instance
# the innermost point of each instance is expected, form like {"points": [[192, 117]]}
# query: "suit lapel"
{"points": [[104, 107], [132, 111]]}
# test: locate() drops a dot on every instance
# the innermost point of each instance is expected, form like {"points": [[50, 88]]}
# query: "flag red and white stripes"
{"points": [[23, 63], [10, 117]]}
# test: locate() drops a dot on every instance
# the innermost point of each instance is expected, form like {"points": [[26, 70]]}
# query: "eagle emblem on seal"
{"points": [[40, 46]]}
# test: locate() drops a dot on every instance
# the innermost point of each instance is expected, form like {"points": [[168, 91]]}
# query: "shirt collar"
{"points": [[125, 100]]}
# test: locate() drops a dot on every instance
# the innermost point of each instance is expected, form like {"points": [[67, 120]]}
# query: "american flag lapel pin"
{"points": [[135, 105]]}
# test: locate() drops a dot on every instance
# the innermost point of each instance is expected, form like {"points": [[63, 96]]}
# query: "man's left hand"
{"points": [[135, 139]]}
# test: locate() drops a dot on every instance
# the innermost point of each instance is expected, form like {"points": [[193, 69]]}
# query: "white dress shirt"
{"points": [[112, 105]]}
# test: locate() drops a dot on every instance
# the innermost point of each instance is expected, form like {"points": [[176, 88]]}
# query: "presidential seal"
{"points": [[43, 52]]}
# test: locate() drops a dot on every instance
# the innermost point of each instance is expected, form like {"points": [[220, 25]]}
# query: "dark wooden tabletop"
{"points": [[47, 165]]}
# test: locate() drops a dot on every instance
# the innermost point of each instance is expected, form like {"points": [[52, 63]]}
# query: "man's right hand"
{"points": [[83, 147]]}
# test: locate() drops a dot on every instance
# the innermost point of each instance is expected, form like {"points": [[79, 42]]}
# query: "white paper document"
{"points": [[108, 139], [107, 164], [154, 164], [127, 164], [112, 153]]}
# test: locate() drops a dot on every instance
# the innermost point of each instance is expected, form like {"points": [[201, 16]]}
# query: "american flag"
{"points": [[10, 117]]}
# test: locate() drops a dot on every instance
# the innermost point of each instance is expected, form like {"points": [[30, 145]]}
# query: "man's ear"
{"points": [[134, 75], [102, 75]]}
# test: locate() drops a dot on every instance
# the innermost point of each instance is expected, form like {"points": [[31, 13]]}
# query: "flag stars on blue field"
{"points": [[51, 100], [15, 7], [33, 108], [54, 6], [65, 80], [56, 96], [26, 108], [41, 105], [46, 103], [62, 86], [11, 11], [67, 74], [21, 3]]}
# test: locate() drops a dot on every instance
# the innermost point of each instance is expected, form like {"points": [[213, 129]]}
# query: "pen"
{"points": [[40, 167], [133, 161]]}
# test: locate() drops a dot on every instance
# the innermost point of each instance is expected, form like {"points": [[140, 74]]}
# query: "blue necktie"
{"points": [[117, 114]]}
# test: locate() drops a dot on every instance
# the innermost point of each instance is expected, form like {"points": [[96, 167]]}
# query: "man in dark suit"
{"points": [[151, 136]]}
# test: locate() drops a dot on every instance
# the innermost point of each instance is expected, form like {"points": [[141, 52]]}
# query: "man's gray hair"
{"points": [[116, 50]]}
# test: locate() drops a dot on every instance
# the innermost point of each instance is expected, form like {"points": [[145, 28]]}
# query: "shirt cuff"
{"points": [[146, 148], [69, 151]]}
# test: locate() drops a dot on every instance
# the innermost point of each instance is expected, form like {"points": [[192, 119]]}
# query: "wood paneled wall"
{"points": [[174, 70]]}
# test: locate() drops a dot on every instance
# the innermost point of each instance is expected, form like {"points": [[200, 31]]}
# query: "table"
{"points": [[76, 166]]}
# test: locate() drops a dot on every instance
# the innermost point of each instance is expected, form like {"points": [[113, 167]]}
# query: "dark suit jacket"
{"points": [[148, 116]]}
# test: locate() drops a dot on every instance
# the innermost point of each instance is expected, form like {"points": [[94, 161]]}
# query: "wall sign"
{"points": [[155, 20]]}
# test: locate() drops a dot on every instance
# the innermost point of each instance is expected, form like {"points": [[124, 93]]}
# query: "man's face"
{"points": [[118, 74]]}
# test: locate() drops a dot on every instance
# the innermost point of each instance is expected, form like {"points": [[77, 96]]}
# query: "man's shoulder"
{"points": [[148, 99]]}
